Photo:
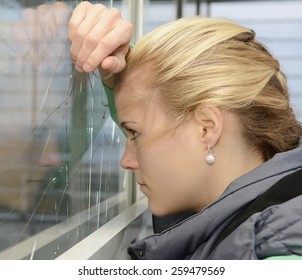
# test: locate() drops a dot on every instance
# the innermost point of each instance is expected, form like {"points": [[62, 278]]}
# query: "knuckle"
{"points": [[80, 34], [90, 41], [100, 7], [85, 4], [128, 26], [115, 12], [106, 45]]}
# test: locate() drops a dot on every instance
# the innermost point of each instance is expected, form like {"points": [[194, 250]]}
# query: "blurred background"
{"points": [[60, 180]]}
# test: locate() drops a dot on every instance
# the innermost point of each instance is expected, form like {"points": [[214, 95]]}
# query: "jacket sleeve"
{"points": [[290, 257], [110, 99], [111, 104]]}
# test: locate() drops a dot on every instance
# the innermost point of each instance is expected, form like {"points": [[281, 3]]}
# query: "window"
{"points": [[278, 25], [62, 192], [60, 178]]}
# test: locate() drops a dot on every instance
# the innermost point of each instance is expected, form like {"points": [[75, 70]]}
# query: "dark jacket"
{"points": [[273, 231]]}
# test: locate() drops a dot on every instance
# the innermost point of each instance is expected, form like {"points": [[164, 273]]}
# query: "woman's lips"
{"points": [[142, 186]]}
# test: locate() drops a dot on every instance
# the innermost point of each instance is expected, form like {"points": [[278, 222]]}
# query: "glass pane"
{"points": [[158, 12], [60, 178]]}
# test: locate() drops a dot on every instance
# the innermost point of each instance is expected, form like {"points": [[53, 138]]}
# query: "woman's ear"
{"points": [[210, 120]]}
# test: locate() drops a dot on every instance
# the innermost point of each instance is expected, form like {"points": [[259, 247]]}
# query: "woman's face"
{"points": [[169, 166]]}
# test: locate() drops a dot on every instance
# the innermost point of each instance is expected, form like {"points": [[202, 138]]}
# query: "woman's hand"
{"points": [[99, 38]]}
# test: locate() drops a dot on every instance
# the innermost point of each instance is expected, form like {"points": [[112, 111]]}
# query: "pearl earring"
{"points": [[210, 158]]}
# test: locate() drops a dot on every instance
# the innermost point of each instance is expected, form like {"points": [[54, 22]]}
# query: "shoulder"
{"points": [[269, 226], [278, 229]]}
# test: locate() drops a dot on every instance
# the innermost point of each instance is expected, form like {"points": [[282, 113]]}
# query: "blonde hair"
{"points": [[199, 60]]}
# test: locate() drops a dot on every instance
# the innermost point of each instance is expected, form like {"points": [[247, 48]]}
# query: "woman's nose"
{"points": [[129, 161], [50, 156], [50, 159]]}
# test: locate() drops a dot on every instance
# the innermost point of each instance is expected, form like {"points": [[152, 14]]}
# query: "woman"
{"points": [[210, 130]]}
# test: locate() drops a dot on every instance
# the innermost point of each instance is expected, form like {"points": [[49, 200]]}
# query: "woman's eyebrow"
{"points": [[124, 124]]}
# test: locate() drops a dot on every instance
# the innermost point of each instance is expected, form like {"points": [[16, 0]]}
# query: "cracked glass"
{"points": [[60, 178]]}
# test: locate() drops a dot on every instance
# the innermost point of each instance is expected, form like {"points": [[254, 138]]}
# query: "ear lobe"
{"points": [[210, 121]]}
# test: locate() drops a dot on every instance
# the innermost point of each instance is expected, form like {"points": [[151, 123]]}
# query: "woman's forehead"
{"points": [[137, 105], [134, 87]]}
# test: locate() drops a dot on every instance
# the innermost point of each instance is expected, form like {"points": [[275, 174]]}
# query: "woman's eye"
{"points": [[134, 134]]}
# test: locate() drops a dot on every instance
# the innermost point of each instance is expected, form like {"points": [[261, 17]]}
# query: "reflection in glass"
{"points": [[59, 149]]}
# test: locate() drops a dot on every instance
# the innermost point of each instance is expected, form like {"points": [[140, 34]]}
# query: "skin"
{"points": [[169, 167], [99, 38]]}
